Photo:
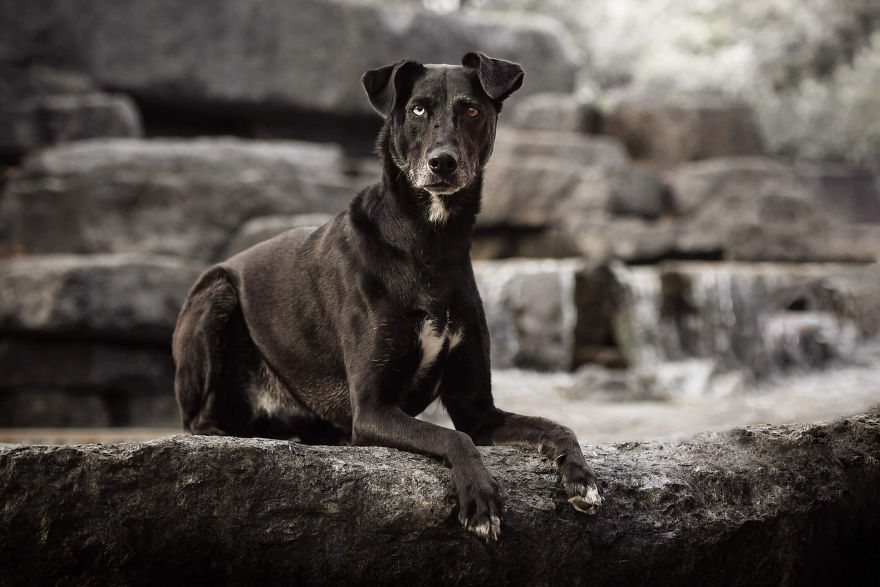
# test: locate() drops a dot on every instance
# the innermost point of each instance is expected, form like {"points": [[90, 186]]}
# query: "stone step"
{"points": [[259, 53], [132, 298], [167, 196], [85, 339], [670, 133]]}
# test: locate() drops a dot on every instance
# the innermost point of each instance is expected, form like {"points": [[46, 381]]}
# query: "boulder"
{"points": [[504, 242], [669, 134], [640, 193], [737, 208], [109, 297], [256, 230], [540, 192], [847, 195], [863, 239], [515, 145], [86, 340], [628, 239], [694, 185], [41, 106], [58, 382], [551, 111], [178, 197], [537, 179], [758, 505], [753, 209], [306, 55], [42, 121]]}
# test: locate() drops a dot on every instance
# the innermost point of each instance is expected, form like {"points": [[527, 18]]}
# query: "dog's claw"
{"points": [[487, 529], [495, 522], [584, 498]]}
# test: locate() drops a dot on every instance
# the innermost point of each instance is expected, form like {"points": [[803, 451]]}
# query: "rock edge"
{"points": [[789, 504]]}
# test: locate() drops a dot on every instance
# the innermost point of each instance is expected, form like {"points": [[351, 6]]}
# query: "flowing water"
{"points": [[713, 346], [598, 418]]}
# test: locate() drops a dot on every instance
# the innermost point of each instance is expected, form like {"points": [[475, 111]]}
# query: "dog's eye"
{"points": [[473, 112], [418, 110]]}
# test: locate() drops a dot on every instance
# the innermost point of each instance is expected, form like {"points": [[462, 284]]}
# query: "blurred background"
{"points": [[681, 220]]}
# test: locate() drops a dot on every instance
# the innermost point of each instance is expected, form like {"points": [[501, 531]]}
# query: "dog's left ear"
{"points": [[499, 78], [386, 85]]}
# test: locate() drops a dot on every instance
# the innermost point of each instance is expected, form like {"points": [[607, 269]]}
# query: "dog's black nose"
{"points": [[442, 162]]}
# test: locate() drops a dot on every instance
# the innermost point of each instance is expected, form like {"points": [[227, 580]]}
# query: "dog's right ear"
{"points": [[386, 85]]}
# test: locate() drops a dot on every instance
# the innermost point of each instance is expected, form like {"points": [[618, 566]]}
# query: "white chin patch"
{"points": [[438, 213]]}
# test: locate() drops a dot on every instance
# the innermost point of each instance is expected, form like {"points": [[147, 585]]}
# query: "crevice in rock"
{"points": [[356, 134]]}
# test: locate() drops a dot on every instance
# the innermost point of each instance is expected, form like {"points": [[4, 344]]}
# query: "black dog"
{"points": [[346, 332]]}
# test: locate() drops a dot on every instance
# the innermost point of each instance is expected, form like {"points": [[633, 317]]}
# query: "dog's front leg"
{"points": [[467, 396], [479, 499], [553, 441]]}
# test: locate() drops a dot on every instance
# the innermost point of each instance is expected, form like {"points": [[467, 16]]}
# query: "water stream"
{"points": [[713, 346]]}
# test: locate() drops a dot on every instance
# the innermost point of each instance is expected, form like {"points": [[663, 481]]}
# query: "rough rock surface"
{"points": [[848, 195], [555, 112], [42, 106], [306, 55], [46, 120], [760, 505], [514, 145], [180, 197], [111, 297], [85, 339], [542, 191], [753, 209], [58, 382], [670, 134]]}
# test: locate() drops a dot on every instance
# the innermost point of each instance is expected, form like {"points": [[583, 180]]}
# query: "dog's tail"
{"points": [[198, 351]]}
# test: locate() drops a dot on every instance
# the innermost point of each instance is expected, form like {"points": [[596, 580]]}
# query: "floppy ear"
{"points": [[387, 84], [499, 78]]}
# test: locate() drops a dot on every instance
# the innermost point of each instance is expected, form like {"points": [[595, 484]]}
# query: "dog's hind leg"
{"points": [[199, 349], [222, 383]]}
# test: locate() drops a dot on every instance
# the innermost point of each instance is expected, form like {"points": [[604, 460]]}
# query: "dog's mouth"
{"points": [[441, 188]]}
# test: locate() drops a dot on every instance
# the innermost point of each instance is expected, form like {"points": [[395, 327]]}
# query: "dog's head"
{"points": [[441, 119]]}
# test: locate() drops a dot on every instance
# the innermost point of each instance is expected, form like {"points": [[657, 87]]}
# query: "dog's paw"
{"points": [[580, 486], [479, 507], [584, 498], [487, 529]]}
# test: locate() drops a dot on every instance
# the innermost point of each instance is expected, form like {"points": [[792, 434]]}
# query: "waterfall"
{"points": [[701, 320]]}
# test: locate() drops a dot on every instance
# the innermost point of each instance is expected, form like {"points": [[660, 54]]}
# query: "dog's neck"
{"points": [[403, 217]]}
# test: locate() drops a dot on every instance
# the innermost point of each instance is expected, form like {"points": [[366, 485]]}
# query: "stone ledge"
{"points": [[761, 505]]}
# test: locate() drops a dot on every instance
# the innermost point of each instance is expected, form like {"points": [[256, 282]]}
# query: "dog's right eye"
{"points": [[418, 110]]}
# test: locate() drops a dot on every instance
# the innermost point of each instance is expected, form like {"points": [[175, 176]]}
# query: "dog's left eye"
{"points": [[473, 112], [418, 110]]}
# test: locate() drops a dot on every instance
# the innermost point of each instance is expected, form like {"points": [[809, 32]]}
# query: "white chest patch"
{"points": [[432, 340], [439, 213]]}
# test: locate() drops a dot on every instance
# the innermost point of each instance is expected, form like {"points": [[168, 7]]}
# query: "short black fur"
{"points": [[345, 332]]}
